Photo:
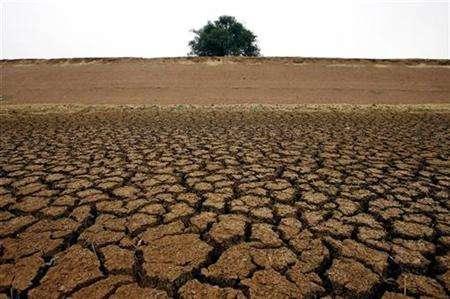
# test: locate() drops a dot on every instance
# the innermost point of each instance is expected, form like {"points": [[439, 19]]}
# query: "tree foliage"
{"points": [[224, 37]]}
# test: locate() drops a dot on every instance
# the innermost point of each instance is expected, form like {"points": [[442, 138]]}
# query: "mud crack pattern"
{"points": [[220, 203]]}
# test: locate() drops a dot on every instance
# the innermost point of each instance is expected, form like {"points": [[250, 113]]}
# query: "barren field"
{"points": [[225, 202], [225, 81]]}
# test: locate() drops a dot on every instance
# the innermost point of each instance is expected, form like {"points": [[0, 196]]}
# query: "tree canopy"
{"points": [[224, 37]]}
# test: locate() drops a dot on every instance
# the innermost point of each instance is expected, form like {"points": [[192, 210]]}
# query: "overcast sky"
{"points": [[161, 28]]}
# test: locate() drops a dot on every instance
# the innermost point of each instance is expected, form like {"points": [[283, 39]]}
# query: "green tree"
{"points": [[224, 37]]}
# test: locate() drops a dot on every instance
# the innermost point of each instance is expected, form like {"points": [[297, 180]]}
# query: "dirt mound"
{"points": [[222, 81]]}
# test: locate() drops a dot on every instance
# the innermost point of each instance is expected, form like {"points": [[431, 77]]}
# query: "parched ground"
{"points": [[228, 202]]}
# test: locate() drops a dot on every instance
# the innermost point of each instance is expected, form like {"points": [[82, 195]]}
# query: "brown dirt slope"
{"points": [[225, 81]]}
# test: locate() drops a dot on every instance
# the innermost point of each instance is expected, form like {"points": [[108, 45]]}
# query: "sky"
{"points": [[162, 28]]}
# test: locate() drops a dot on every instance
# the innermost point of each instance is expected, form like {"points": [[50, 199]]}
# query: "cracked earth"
{"points": [[225, 203]]}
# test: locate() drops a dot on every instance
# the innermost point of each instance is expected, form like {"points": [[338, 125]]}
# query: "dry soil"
{"points": [[224, 202], [195, 201]]}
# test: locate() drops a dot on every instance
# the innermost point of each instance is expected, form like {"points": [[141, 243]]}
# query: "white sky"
{"points": [[161, 28]]}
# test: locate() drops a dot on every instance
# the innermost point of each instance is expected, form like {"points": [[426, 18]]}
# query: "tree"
{"points": [[224, 37]]}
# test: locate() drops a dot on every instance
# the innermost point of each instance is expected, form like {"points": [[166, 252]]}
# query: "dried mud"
{"points": [[192, 202]]}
